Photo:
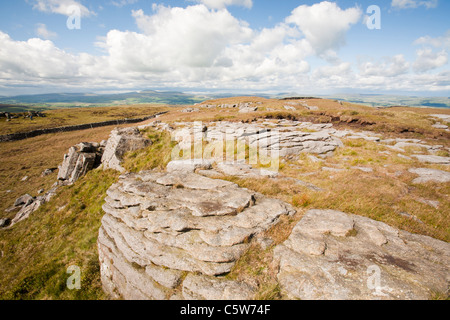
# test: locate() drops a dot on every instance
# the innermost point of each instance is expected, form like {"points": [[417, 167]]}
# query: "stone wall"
{"points": [[38, 132]]}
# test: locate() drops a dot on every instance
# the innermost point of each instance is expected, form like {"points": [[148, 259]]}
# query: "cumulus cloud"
{"points": [[387, 67], [443, 41], [428, 60], [43, 32], [204, 47], [122, 3], [220, 4], [412, 4], [35, 58], [64, 7], [324, 24]]}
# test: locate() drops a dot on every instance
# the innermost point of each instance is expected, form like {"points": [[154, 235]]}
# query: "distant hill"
{"points": [[380, 100], [119, 98], [42, 102]]}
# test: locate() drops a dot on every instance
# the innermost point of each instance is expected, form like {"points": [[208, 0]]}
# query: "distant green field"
{"points": [[78, 100], [388, 100]]}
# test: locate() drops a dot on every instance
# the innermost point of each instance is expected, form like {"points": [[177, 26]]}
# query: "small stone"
{"points": [[332, 169], [47, 172], [434, 204], [4, 222], [439, 126], [314, 159], [23, 200], [364, 169]]}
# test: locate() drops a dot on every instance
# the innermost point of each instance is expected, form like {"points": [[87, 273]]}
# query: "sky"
{"points": [[234, 46]]}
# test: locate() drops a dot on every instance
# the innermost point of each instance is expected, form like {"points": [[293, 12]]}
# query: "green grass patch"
{"points": [[156, 156], [37, 252]]}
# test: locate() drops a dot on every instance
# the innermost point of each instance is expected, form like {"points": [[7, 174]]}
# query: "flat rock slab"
{"points": [[209, 288], [189, 165], [432, 159], [331, 255], [158, 226], [430, 175]]}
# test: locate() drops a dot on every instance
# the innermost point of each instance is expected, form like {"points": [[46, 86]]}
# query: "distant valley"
{"points": [[50, 101]]}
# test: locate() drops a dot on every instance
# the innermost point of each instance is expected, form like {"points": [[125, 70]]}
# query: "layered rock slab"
{"points": [[79, 160], [333, 255], [120, 142], [158, 226]]}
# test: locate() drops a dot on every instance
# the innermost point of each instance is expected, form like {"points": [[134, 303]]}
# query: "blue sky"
{"points": [[316, 47]]}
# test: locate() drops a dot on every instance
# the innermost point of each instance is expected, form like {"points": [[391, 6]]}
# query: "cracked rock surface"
{"points": [[334, 255], [160, 226]]}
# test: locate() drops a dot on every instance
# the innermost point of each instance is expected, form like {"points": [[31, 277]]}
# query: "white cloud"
{"points": [[220, 4], [175, 37], [122, 3], [387, 67], [443, 41], [324, 24], [428, 60], [205, 47], [43, 32], [35, 59], [412, 4], [338, 70], [64, 7]]}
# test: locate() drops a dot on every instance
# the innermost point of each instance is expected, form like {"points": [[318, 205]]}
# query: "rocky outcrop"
{"points": [[284, 137], [27, 209], [333, 255], [80, 159], [120, 142], [160, 226]]}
